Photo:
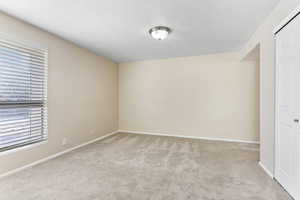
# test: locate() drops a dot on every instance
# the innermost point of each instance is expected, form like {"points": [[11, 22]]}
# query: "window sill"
{"points": [[30, 146]]}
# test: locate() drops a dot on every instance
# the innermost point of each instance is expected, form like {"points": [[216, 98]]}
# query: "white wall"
{"points": [[82, 94], [205, 96], [264, 37]]}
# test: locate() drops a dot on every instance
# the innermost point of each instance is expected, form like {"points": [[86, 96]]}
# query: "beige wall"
{"points": [[82, 94], [206, 96], [264, 36]]}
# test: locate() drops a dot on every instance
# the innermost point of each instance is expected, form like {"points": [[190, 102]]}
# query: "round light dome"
{"points": [[160, 32]]}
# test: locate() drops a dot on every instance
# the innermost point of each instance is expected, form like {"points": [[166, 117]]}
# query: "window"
{"points": [[23, 95]]}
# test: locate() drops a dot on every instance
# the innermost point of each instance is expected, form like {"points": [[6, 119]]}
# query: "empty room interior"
{"points": [[149, 100]]}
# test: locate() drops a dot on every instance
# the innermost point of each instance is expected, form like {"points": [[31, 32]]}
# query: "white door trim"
{"points": [[286, 20]]}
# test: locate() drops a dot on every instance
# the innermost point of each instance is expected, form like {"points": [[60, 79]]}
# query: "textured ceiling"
{"points": [[118, 29]]}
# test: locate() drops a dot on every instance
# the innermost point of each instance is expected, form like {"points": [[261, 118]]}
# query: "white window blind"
{"points": [[23, 95]]}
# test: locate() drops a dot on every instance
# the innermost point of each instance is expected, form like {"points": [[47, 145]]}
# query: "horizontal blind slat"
{"points": [[20, 86], [20, 144], [17, 58], [20, 53], [11, 77], [20, 124], [18, 71], [16, 55], [23, 139], [19, 83], [18, 47], [22, 67], [24, 64], [19, 131]]}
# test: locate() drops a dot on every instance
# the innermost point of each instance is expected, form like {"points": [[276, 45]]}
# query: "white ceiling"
{"points": [[118, 29]]}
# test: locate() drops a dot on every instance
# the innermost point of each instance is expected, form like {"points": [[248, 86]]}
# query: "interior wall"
{"points": [[82, 94], [213, 96], [265, 37]]}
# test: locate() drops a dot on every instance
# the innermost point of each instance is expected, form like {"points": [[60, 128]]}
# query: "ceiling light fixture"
{"points": [[160, 32]]}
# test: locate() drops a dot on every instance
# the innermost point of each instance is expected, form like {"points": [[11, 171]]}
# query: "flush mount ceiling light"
{"points": [[160, 32]]}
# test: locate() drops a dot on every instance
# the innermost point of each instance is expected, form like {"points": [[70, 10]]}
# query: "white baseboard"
{"points": [[266, 170], [191, 137], [56, 155]]}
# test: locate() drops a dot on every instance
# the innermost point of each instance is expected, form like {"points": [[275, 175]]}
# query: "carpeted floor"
{"points": [[141, 167]]}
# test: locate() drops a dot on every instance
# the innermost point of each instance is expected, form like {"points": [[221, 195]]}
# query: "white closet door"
{"points": [[287, 166], [296, 90]]}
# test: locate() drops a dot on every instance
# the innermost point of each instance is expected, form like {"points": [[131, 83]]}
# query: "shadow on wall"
{"points": [[254, 55]]}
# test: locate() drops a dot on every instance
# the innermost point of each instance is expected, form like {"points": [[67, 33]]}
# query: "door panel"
{"points": [[297, 194], [284, 137], [284, 143], [295, 55], [297, 166], [287, 164]]}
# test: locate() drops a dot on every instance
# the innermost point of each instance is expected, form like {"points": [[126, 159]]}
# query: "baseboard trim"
{"points": [[191, 137], [55, 155], [265, 169]]}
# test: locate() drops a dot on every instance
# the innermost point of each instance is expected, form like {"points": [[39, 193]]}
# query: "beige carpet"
{"points": [[140, 167]]}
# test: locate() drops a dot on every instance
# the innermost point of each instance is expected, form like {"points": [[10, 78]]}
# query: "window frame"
{"points": [[43, 104]]}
